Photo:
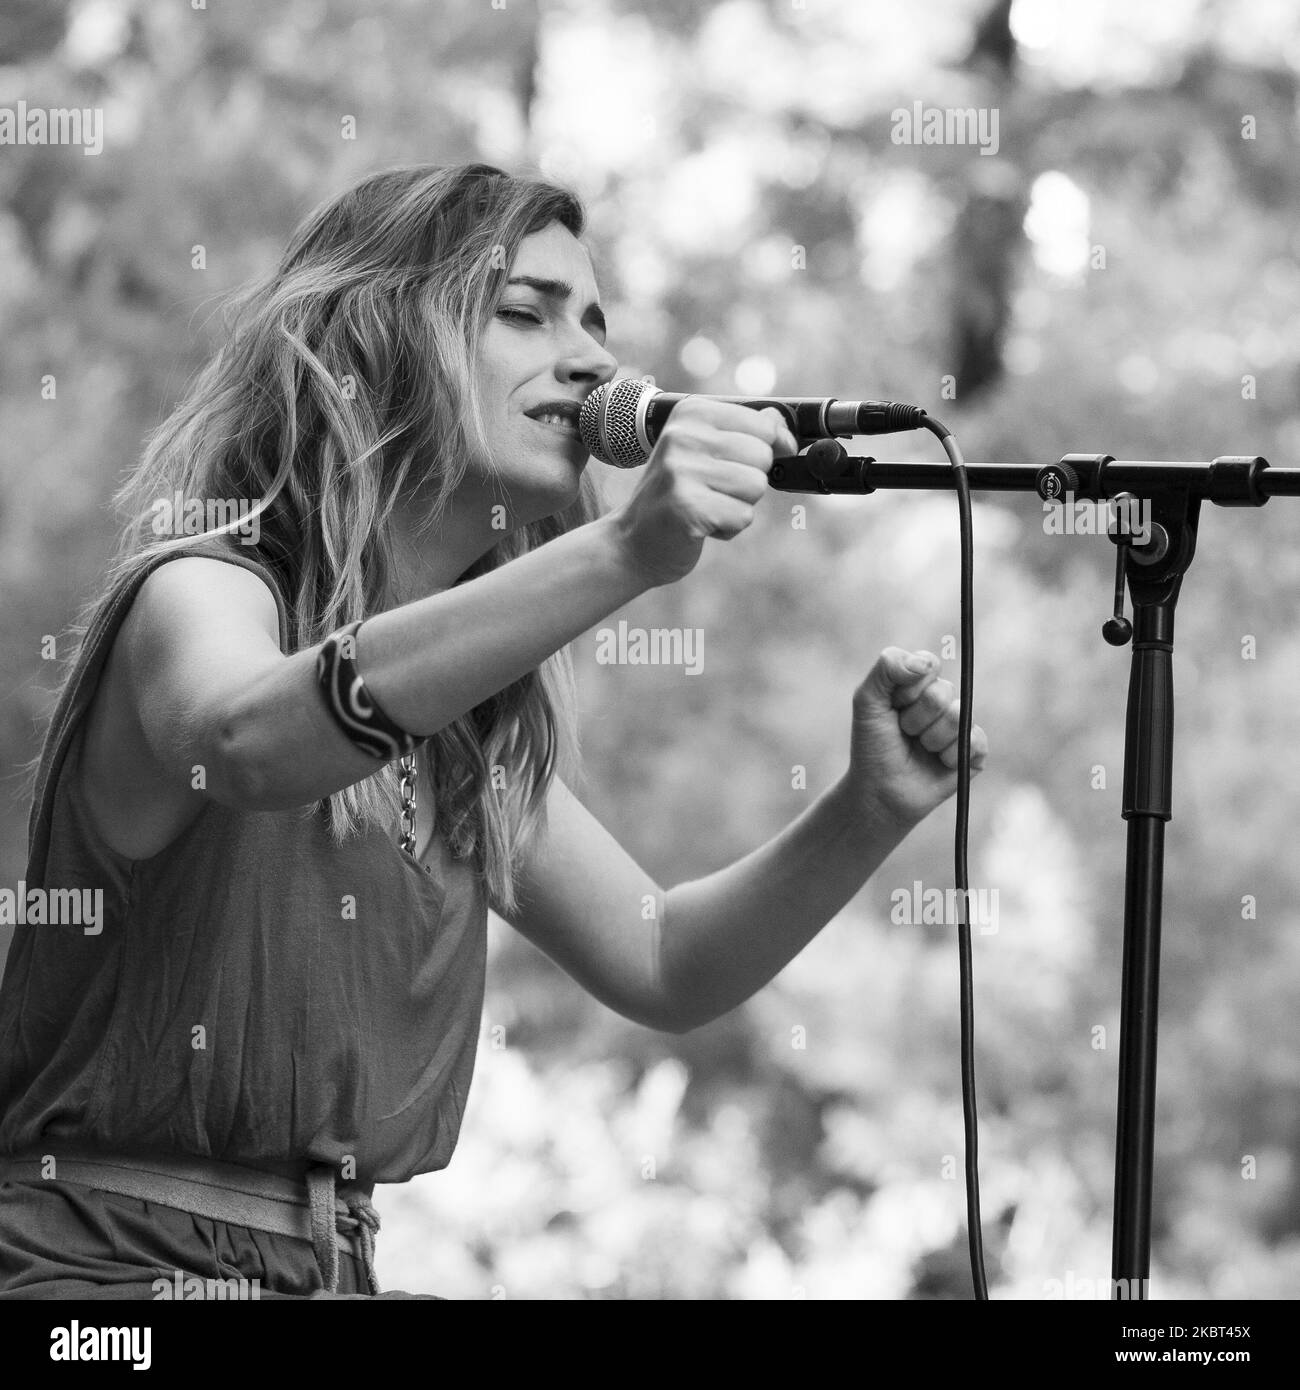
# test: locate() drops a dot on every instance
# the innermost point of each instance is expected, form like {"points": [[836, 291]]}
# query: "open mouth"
{"points": [[557, 415], [562, 423]]}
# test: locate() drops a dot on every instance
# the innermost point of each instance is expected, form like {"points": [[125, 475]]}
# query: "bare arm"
{"points": [[675, 959], [728, 934], [213, 689], [595, 911]]}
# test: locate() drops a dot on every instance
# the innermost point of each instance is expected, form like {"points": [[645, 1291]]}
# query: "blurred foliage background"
{"points": [[1119, 276]]}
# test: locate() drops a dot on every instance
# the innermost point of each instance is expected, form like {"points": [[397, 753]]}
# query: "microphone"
{"points": [[620, 421]]}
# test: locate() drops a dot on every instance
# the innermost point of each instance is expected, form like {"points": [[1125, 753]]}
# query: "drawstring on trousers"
{"points": [[359, 1219]]}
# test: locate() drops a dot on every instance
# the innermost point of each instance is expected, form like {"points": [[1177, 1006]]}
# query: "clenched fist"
{"points": [[903, 756]]}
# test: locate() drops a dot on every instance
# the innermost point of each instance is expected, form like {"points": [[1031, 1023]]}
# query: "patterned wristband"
{"points": [[352, 705]]}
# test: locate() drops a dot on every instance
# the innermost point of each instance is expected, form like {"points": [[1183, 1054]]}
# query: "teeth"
{"points": [[547, 418]]}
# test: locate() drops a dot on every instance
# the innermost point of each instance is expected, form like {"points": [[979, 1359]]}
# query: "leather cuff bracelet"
{"points": [[352, 706]]}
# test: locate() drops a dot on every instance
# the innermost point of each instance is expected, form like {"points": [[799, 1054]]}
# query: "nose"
{"points": [[586, 362]]}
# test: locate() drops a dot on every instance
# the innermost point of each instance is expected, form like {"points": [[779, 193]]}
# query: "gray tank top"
{"points": [[255, 991]]}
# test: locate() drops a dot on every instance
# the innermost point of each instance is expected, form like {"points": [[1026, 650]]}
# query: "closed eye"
{"points": [[520, 315]]}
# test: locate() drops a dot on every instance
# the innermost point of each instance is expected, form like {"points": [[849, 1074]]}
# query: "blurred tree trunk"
{"points": [[988, 231]]}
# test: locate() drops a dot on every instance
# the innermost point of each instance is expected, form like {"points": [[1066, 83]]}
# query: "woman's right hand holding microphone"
{"points": [[707, 473]]}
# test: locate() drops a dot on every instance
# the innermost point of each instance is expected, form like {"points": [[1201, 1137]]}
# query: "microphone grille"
{"points": [[608, 422]]}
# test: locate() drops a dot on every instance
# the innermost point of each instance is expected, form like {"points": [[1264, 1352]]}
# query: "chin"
{"points": [[531, 502]]}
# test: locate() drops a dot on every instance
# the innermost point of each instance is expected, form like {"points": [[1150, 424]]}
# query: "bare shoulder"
{"points": [[193, 624], [196, 587]]}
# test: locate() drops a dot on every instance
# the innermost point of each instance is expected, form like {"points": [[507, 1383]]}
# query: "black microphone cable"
{"points": [[892, 417], [974, 1233]]}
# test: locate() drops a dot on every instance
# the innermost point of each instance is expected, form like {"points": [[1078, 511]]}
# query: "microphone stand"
{"points": [[1154, 569]]}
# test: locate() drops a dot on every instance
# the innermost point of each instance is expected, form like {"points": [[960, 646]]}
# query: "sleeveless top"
{"points": [[254, 992]]}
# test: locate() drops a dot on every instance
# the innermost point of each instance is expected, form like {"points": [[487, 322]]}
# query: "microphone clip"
{"points": [[826, 466]]}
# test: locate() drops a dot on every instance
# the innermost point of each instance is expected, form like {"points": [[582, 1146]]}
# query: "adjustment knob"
{"points": [[825, 460], [1054, 480], [1117, 631]]}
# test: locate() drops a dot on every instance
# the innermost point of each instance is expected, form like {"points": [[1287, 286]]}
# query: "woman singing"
{"points": [[305, 744]]}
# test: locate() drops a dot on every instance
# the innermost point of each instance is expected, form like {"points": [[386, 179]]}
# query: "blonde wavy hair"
{"points": [[347, 379]]}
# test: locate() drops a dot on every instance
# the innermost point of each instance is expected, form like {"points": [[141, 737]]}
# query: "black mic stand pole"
{"points": [[1155, 568]]}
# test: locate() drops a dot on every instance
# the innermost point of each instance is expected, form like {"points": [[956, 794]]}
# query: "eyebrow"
{"points": [[559, 289]]}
